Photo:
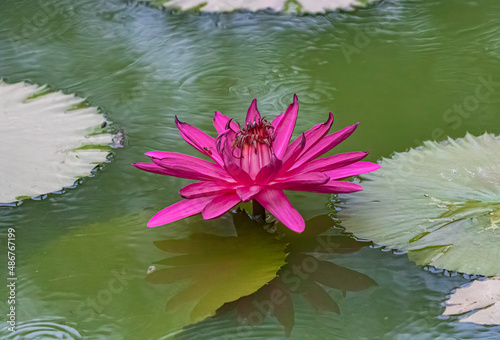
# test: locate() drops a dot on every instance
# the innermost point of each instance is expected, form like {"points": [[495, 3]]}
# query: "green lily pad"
{"points": [[440, 203], [48, 140], [219, 269]]}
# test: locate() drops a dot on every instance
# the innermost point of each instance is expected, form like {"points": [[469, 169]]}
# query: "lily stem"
{"points": [[258, 211]]}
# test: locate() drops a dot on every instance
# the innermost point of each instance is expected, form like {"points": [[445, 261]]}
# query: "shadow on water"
{"points": [[217, 265]]}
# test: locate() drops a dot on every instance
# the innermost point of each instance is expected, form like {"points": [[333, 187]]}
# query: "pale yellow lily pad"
{"points": [[48, 140], [288, 6], [483, 297]]}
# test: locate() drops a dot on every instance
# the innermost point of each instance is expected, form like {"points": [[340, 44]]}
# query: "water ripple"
{"points": [[37, 329]]}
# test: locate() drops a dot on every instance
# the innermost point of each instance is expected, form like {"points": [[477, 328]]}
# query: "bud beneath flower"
{"points": [[256, 144]]}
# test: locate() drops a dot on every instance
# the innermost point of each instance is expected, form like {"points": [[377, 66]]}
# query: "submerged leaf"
{"points": [[48, 140], [440, 203], [480, 296], [220, 269]]}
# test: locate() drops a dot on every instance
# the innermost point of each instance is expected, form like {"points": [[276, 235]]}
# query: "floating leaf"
{"points": [[220, 269], [480, 296], [288, 6], [439, 202], [48, 140]]}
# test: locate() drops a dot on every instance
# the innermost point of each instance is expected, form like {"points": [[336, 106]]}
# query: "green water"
{"points": [[408, 71]]}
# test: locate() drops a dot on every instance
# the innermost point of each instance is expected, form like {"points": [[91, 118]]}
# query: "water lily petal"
{"points": [[225, 149], [352, 170], [276, 121], [238, 173], [290, 160], [285, 128], [186, 166], [253, 114], [220, 204], [225, 146], [199, 140], [220, 122], [179, 210], [185, 172], [330, 163], [330, 187], [325, 145], [277, 204], [248, 193], [180, 157], [160, 154], [301, 180], [202, 189], [268, 172], [335, 187], [154, 168], [312, 136]]}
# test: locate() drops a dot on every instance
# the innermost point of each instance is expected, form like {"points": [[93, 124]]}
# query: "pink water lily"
{"points": [[256, 162]]}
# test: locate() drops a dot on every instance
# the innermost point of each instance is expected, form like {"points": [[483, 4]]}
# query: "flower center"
{"points": [[255, 141], [261, 132]]}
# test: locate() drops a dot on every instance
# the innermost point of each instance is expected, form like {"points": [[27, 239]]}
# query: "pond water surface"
{"points": [[406, 70]]}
